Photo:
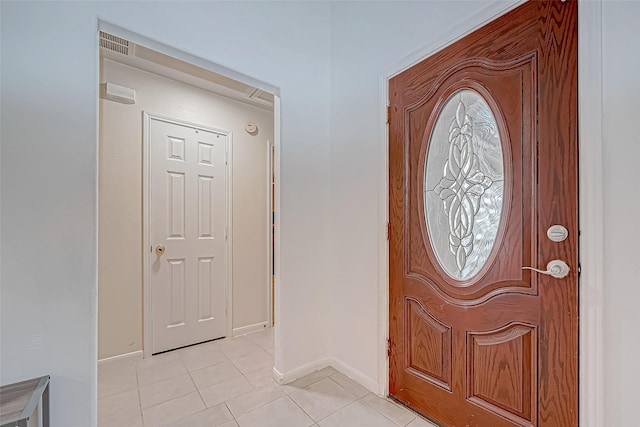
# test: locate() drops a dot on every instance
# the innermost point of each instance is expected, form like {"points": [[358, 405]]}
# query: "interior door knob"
{"points": [[556, 268], [160, 249]]}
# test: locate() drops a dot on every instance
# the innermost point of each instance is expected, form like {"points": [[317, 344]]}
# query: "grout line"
{"points": [[180, 360], [333, 412], [303, 411], [233, 417], [135, 368], [252, 391], [197, 391], [405, 409]]}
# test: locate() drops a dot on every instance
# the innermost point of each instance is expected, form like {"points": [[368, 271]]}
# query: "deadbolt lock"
{"points": [[160, 249], [557, 233]]}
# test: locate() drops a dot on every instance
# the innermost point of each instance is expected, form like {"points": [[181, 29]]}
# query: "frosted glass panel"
{"points": [[464, 183]]}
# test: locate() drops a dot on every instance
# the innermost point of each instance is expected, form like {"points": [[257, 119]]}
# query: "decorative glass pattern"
{"points": [[464, 184]]}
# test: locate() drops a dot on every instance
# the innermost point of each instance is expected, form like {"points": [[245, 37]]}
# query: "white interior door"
{"points": [[187, 232]]}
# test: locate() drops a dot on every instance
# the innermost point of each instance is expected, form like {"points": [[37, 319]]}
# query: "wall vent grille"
{"points": [[115, 43], [260, 97]]}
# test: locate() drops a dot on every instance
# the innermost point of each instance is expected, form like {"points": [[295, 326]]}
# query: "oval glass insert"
{"points": [[464, 184]]}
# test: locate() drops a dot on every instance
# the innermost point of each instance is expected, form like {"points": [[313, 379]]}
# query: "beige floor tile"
{"points": [[310, 379], [226, 390], [398, 414], [357, 414], [137, 423], [117, 367], [120, 410], [419, 422], [155, 372], [112, 384], [254, 399], [165, 390], [213, 375], [263, 338], [158, 359], [350, 385], [239, 346], [218, 415], [253, 361], [201, 357], [279, 413], [262, 377], [169, 412], [322, 398]]}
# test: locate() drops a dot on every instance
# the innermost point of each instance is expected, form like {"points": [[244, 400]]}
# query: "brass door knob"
{"points": [[160, 249]]}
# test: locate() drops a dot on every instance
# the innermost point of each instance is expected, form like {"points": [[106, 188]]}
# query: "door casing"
{"points": [[591, 366], [121, 31], [146, 240]]}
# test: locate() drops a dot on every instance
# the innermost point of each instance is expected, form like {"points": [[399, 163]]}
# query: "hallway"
{"points": [[228, 383]]}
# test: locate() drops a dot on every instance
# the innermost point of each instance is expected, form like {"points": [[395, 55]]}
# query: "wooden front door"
{"points": [[482, 165]]}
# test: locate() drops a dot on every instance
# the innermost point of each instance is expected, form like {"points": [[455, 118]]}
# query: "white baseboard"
{"points": [[133, 356], [277, 376], [294, 374], [250, 328], [345, 369], [357, 376]]}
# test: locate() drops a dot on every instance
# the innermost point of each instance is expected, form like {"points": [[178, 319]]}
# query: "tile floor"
{"points": [[228, 383]]}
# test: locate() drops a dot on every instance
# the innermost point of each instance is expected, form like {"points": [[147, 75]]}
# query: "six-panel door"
{"points": [[187, 221]]}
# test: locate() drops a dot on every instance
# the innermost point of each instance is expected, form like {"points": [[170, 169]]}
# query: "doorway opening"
{"points": [[188, 195]]}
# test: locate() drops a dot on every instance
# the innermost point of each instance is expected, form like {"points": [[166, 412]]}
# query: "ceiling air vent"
{"points": [[259, 96], [115, 44]]}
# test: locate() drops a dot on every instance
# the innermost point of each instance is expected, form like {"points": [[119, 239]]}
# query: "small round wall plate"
{"points": [[250, 127]]}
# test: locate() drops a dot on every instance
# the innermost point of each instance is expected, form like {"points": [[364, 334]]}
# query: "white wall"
{"points": [[621, 143], [120, 315], [371, 40], [48, 133], [49, 107], [41, 140]]}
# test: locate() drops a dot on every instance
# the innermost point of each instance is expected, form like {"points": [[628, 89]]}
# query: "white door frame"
{"points": [[270, 248], [591, 214], [147, 249], [248, 80]]}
